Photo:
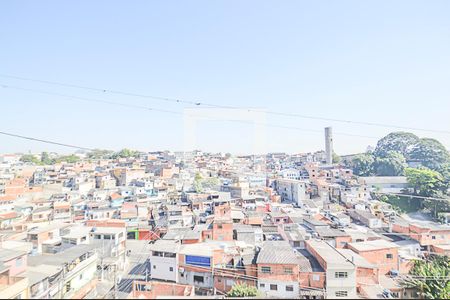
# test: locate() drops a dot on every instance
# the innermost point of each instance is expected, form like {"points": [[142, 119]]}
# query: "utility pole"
{"points": [[115, 282], [101, 260]]}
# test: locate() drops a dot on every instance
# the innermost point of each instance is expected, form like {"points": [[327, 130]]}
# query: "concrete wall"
{"points": [[161, 268], [17, 265], [379, 258], [281, 292]]}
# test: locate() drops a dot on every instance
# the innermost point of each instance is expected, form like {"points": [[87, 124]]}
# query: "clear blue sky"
{"points": [[375, 61]]}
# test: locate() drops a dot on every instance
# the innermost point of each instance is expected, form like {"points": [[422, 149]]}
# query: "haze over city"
{"points": [[361, 61], [224, 149]]}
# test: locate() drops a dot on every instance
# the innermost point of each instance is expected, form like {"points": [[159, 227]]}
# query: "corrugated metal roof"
{"points": [[277, 252]]}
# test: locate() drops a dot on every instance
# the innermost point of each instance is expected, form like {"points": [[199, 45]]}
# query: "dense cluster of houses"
{"points": [[159, 225]]}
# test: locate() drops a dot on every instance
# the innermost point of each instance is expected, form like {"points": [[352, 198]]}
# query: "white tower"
{"points": [[329, 145]]}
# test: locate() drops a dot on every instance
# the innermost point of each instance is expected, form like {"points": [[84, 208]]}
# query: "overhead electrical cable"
{"points": [[44, 141], [199, 103], [148, 108]]}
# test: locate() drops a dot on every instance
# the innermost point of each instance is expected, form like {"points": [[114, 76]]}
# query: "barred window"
{"points": [[341, 275]]}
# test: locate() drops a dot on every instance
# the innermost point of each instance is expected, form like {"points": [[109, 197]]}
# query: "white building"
{"points": [[365, 217], [290, 174], [340, 272], [385, 184], [114, 237], [164, 260], [292, 191]]}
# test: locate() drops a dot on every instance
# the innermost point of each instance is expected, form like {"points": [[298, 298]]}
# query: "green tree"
{"points": [[198, 176], [426, 182], [68, 158], [436, 207], [402, 142], [336, 158], [100, 154], [430, 278], [210, 182], [46, 160], [125, 153], [198, 182], [362, 164], [445, 172], [392, 164], [243, 290], [30, 158], [431, 153]]}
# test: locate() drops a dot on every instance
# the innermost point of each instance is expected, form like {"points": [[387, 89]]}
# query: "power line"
{"points": [[147, 108], [44, 141], [141, 265], [197, 103], [89, 99], [174, 100]]}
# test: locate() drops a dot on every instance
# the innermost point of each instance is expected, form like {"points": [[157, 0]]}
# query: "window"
{"points": [[19, 262], [340, 275], [171, 269], [262, 285], [265, 269], [389, 256], [198, 279], [288, 270], [433, 237], [154, 266], [316, 277], [341, 294], [273, 287], [289, 288]]}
